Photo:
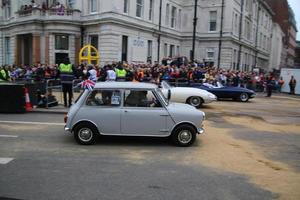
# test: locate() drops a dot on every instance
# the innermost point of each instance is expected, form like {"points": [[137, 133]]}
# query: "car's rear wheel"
{"points": [[244, 97], [184, 135], [195, 101], [85, 134]]}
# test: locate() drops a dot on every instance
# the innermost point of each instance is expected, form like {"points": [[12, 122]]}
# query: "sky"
{"points": [[295, 4]]}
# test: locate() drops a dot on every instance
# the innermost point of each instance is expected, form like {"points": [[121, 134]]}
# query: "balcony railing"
{"points": [[48, 14]]}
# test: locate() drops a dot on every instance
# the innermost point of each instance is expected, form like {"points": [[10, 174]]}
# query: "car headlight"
{"points": [[212, 96]]}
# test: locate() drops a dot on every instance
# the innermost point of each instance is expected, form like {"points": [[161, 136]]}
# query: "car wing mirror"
{"points": [[169, 94]]}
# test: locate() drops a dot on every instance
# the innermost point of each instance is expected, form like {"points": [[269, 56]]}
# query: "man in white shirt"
{"points": [[111, 74]]}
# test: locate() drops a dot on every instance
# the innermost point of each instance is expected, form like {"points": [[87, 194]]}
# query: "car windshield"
{"points": [[162, 96], [218, 85], [165, 85]]}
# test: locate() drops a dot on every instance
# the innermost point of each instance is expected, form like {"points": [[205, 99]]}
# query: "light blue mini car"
{"points": [[132, 109]]}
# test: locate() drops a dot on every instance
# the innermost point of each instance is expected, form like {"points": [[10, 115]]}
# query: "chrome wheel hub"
{"points": [[185, 136], [85, 134], [244, 97], [195, 101]]}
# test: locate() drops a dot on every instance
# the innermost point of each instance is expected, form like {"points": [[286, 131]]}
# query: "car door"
{"points": [[143, 114], [102, 107]]}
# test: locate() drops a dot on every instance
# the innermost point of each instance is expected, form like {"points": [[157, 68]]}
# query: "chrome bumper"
{"points": [[200, 130], [67, 129]]}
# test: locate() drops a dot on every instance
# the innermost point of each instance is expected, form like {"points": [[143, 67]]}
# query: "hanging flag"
{"points": [[88, 85]]}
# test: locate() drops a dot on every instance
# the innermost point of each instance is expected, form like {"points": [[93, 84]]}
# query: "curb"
{"points": [[50, 111]]}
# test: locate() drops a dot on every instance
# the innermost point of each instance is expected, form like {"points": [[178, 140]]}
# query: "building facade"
{"points": [[297, 52], [130, 30], [284, 16]]}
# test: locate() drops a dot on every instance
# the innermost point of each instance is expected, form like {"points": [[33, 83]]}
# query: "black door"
{"points": [[124, 48], [59, 57]]}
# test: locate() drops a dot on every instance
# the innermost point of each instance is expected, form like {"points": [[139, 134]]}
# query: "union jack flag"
{"points": [[88, 85]]}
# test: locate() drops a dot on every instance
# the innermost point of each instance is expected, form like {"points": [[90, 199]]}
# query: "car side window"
{"points": [[140, 98], [104, 98]]}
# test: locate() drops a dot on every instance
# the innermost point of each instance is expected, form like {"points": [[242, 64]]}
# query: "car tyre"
{"points": [[195, 101], [244, 97], [85, 134], [184, 135]]}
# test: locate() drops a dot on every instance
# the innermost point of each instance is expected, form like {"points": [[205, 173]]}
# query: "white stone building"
{"points": [[277, 51], [129, 30]]}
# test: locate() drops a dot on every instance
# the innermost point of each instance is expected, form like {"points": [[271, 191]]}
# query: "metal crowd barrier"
{"points": [[53, 93]]}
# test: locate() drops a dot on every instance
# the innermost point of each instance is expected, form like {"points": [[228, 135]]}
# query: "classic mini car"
{"points": [[193, 96], [224, 92], [132, 109]]}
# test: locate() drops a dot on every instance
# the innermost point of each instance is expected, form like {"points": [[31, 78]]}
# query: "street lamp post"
{"points": [[194, 30], [221, 34], [159, 32]]}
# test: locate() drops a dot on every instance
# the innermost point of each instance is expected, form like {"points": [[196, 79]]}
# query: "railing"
{"points": [[53, 95], [39, 12]]}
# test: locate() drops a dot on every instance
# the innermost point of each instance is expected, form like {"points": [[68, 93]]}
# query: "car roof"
{"points": [[124, 85]]}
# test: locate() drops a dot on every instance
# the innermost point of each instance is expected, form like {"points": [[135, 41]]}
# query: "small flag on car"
{"points": [[88, 85]]}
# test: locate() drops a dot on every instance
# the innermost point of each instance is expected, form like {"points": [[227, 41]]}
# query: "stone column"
{"points": [[36, 49], [47, 61], [77, 49]]}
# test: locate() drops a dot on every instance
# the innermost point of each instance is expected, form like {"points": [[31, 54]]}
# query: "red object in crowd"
{"points": [[28, 105]]}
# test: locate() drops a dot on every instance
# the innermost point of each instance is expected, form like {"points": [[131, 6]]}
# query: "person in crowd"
{"points": [[120, 72], [66, 77], [92, 73], [292, 85], [270, 85], [111, 74], [4, 74], [280, 83]]}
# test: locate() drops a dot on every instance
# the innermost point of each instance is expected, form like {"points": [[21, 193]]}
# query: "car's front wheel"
{"points": [[195, 101], [244, 97], [85, 134], [184, 135]]}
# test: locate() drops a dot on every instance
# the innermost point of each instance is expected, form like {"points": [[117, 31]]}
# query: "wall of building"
{"points": [[110, 23]]}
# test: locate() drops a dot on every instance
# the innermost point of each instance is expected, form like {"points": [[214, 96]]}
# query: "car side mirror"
{"points": [[169, 94]]}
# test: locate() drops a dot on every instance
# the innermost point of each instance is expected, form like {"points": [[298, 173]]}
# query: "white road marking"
{"points": [[4, 161], [33, 123], [9, 136]]}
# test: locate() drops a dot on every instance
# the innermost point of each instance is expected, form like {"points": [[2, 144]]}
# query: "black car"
{"points": [[224, 92]]}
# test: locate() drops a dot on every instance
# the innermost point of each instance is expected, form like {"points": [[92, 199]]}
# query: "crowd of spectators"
{"points": [[176, 70], [56, 7]]}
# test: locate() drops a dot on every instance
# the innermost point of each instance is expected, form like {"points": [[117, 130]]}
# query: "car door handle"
{"points": [[126, 111], [164, 115]]}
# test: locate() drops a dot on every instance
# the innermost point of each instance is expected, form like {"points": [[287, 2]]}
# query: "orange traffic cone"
{"points": [[28, 105]]}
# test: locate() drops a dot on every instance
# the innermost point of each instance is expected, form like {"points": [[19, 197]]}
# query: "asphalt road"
{"points": [[38, 160]]}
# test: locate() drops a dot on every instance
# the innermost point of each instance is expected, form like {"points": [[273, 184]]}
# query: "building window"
{"points": [[151, 4], [71, 3], [234, 59], [178, 51], [247, 30], [61, 42], [149, 51], [172, 51], [167, 14], [7, 8], [166, 50], [210, 53], [173, 17], [94, 41], [125, 10], [179, 18], [139, 8], [236, 23], [213, 21], [7, 50], [93, 6]]}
